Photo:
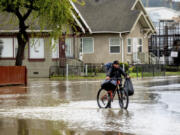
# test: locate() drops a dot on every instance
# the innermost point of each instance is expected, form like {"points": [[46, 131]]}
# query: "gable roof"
{"points": [[108, 16]]}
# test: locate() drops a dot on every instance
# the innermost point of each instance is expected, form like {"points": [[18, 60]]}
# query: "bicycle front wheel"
{"points": [[123, 99], [103, 98]]}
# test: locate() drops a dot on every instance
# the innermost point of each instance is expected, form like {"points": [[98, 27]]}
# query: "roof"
{"points": [[98, 16], [108, 16], [162, 13], [9, 23]]}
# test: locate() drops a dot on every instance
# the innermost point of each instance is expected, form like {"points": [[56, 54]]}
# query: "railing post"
{"points": [[153, 69], [67, 70], [164, 70], [86, 70], [137, 71], [142, 71]]}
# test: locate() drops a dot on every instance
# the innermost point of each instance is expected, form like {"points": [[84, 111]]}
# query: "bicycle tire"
{"points": [[123, 99], [99, 100]]}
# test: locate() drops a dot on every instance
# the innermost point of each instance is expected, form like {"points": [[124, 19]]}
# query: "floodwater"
{"points": [[69, 108]]}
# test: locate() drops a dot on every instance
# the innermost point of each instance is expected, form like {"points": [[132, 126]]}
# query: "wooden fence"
{"points": [[11, 75]]}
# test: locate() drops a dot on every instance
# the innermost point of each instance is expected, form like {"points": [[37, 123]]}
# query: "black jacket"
{"points": [[115, 73]]}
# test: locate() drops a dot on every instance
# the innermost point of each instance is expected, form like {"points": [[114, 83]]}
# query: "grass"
{"points": [[172, 73], [103, 75]]}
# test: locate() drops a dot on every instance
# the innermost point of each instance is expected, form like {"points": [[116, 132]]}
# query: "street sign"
{"points": [[174, 54]]}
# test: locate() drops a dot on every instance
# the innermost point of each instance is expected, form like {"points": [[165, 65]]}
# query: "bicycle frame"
{"points": [[113, 93]]}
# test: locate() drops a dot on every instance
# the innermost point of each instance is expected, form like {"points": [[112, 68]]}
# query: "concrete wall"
{"points": [[101, 47]]}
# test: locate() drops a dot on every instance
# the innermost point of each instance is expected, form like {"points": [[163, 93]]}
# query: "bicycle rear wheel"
{"points": [[123, 99], [103, 98]]}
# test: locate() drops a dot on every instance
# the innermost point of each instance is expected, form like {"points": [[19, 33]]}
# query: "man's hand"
{"points": [[128, 76], [107, 78]]}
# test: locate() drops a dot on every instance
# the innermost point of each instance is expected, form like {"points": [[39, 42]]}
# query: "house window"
{"points": [[15, 47], [36, 48], [87, 45], [129, 45], [140, 44], [55, 49], [69, 47], [6, 48], [114, 44]]}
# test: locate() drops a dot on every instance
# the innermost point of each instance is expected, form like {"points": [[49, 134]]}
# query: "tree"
{"points": [[52, 14]]}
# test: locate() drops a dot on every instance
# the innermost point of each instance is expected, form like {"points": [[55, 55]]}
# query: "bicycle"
{"points": [[106, 97]]}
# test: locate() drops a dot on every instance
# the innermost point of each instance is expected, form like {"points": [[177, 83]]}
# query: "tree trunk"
{"points": [[22, 38]]}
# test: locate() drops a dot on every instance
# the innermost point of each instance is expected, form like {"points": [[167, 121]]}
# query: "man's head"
{"points": [[116, 64]]}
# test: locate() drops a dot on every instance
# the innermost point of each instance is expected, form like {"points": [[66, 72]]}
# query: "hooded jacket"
{"points": [[116, 73]]}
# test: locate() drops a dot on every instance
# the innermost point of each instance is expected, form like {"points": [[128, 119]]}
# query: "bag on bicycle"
{"points": [[109, 85], [128, 86]]}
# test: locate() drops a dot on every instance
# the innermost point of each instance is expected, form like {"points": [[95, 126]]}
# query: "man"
{"points": [[115, 72]]}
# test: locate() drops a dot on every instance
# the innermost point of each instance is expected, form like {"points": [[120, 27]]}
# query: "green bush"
{"points": [[135, 69], [126, 65], [132, 69]]}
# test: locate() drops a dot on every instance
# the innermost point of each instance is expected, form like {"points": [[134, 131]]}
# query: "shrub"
{"points": [[126, 65]]}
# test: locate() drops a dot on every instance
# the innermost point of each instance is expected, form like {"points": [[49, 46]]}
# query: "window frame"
{"points": [[29, 51], [71, 47], [83, 45], [114, 45], [58, 42], [13, 55], [140, 45], [130, 45]]}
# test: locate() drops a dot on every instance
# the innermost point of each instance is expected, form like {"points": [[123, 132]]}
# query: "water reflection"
{"points": [[13, 90], [13, 95], [40, 127], [22, 127]]}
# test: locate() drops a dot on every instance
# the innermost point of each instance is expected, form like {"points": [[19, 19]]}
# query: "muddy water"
{"points": [[69, 108]]}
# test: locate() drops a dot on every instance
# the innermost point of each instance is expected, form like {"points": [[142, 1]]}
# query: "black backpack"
{"points": [[108, 66]]}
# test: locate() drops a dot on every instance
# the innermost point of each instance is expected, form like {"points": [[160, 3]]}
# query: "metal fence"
{"points": [[98, 70], [166, 41], [81, 70], [145, 70]]}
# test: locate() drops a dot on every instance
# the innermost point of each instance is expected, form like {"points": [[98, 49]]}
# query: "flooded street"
{"points": [[69, 108]]}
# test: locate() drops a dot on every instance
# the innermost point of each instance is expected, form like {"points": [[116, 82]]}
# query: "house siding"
{"points": [[136, 34], [101, 52], [101, 47], [41, 68]]}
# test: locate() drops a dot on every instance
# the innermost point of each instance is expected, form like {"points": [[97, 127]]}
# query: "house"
{"points": [[107, 30], [42, 54], [115, 30]]}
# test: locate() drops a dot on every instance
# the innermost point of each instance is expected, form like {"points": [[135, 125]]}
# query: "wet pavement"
{"points": [[69, 108]]}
